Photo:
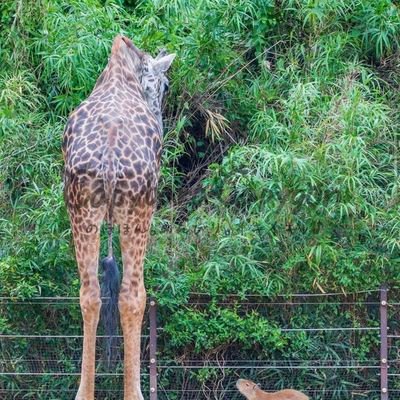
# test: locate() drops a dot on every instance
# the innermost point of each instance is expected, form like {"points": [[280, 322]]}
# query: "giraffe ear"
{"points": [[161, 65], [162, 53]]}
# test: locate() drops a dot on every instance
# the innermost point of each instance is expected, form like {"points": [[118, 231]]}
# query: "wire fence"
{"points": [[38, 361]]}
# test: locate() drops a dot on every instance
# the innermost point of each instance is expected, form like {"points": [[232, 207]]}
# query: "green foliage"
{"points": [[215, 327], [280, 169]]}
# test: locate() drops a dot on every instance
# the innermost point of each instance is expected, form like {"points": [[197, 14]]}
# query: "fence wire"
{"points": [[32, 355]]}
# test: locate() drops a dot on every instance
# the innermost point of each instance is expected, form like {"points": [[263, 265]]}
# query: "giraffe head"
{"points": [[154, 80], [150, 71]]}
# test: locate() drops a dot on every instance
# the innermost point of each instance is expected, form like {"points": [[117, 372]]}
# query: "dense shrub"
{"points": [[280, 167]]}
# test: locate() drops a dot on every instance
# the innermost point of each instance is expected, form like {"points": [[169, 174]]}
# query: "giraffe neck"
{"points": [[122, 69], [125, 70]]}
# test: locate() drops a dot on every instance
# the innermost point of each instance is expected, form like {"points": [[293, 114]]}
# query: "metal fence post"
{"points": [[153, 349], [384, 343]]}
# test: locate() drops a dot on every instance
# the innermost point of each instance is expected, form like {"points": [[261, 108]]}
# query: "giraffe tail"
{"points": [[109, 309], [111, 280], [110, 291]]}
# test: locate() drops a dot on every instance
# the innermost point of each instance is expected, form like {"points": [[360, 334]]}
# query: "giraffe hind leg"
{"points": [[132, 299], [86, 232]]}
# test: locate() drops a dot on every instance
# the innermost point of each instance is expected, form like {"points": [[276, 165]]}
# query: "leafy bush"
{"points": [[280, 164]]}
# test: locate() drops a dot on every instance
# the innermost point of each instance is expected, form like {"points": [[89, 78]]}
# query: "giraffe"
{"points": [[111, 149]]}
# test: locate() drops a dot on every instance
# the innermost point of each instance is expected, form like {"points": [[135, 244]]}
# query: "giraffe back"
{"points": [[112, 146]]}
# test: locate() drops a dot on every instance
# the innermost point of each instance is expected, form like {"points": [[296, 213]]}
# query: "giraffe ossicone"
{"points": [[112, 148]]}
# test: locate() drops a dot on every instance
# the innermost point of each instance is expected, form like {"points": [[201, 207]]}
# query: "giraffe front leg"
{"points": [[87, 239], [132, 303]]}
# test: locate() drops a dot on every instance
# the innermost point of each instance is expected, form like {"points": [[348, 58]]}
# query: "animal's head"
{"points": [[248, 388], [154, 80], [150, 71]]}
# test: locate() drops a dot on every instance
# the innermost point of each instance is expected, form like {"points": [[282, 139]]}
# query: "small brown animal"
{"points": [[252, 391]]}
